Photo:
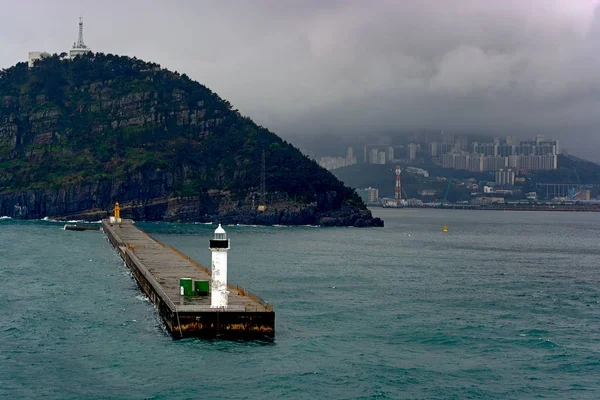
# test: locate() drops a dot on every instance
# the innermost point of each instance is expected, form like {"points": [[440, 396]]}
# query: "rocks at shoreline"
{"points": [[90, 204]]}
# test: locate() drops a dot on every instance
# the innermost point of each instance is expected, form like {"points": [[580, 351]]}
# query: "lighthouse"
{"points": [[219, 246]]}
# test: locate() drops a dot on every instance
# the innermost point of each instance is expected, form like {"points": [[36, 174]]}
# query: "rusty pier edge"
{"points": [[157, 270]]}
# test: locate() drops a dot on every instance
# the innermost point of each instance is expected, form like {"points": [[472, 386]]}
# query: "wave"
{"points": [[71, 221], [142, 297]]}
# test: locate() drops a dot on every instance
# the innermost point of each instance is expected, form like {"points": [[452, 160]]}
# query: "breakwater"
{"points": [[158, 270]]}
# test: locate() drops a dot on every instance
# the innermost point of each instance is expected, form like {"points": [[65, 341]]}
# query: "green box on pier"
{"points": [[202, 288], [185, 287]]}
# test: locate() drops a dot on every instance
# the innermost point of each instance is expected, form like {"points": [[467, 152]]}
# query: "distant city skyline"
{"points": [[457, 152]]}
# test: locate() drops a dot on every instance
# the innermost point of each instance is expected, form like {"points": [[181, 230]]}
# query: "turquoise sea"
{"points": [[503, 306]]}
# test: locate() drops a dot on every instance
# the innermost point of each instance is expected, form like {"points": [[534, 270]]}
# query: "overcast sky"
{"points": [[521, 67]]}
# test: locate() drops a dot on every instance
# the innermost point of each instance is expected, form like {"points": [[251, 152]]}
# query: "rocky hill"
{"points": [[78, 135]]}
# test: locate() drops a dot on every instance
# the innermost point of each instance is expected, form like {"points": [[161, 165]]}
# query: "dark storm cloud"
{"points": [[350, 67]]}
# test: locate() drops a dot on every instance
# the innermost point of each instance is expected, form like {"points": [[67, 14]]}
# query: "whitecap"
{"points": [[142, 297]]}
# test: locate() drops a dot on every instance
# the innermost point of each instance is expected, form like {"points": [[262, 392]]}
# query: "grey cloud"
{"points": [[355, 66]]}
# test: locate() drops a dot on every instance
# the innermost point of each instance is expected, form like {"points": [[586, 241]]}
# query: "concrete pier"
{"points": [[157, 270]]}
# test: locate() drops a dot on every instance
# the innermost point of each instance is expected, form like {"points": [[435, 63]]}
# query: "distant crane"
{"points": [[575, 193], [447, 191], [404, 193]]}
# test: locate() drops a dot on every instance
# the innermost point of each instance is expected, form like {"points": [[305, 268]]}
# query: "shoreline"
{"points": [[521, 208]]}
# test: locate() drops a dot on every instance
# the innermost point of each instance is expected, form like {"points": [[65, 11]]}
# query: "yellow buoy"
{"points": [[445, 229]]}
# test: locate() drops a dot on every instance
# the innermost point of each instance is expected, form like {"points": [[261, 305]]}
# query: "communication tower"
{"points": [[79, 47]]}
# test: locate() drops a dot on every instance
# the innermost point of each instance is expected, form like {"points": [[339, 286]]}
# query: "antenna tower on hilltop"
{"points": [[79, 47], [80, 44], [262, 206]]}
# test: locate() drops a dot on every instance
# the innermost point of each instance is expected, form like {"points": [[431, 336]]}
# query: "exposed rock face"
{"points": [[95, 201], [76, 136]]}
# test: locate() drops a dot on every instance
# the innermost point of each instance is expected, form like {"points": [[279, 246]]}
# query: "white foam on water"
{"points": [[142, 297]]}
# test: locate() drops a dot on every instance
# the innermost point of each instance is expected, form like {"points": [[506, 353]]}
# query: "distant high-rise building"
{"points": [[444, 148], [538, 163], [505, 150], [461, 161], [373, 158], [513, 161], [412, 151], [448, 137], [486, 149], [535, 155], [461, 143], [448, 160], [505, 177], [34, 56], [330, 163], [494, 163], [433, 149], [476, 163], [350, 158]]}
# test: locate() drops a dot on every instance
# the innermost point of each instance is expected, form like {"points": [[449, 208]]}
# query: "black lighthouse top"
{"points": [[219, 240]]}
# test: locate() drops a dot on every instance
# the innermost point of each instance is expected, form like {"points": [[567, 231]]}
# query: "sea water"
{"points": [[504, 305]]}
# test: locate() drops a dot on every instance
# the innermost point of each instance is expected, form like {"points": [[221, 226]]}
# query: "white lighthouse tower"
{"points": [[219, 245]]}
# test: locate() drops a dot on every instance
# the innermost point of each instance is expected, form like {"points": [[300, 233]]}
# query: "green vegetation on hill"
{"points": [[104, 117]]}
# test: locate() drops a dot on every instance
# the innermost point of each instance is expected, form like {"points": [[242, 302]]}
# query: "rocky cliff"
{"points": [[78, 135]]}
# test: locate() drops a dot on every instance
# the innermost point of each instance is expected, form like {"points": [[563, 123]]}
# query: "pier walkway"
{"points": [[157, 270]]}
